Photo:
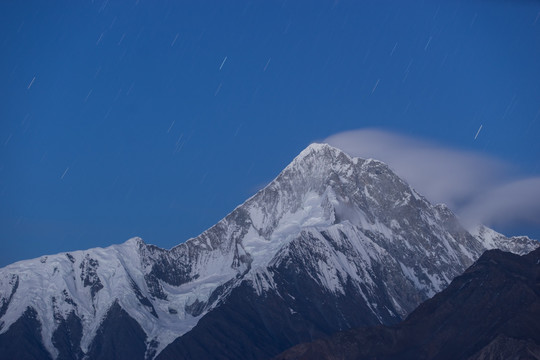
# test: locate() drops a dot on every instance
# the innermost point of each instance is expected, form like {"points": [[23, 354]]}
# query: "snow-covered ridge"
{"points": [[494, 240], [88, 283], [345, 218]]}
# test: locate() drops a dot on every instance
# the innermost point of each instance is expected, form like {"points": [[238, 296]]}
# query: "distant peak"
{"points": [[135, 241], [371, 161], [319, 149], [325, 154]]}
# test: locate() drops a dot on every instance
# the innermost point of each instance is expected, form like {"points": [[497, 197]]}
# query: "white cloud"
{"points": [[479, 188], [514, 202]]}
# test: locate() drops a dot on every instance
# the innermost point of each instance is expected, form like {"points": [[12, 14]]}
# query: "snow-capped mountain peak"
{"points": [[329, 226]]}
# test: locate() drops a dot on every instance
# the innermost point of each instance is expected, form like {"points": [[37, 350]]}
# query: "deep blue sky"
{"points": [[157, 118]]}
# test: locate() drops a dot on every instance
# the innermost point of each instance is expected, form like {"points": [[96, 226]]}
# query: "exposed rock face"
{"points": [[489, 312], [118, 337], [332, 243], [23, 340]]}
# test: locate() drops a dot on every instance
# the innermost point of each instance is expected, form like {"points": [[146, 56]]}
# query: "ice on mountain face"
{"points": [[369, 197], [350, 224]]}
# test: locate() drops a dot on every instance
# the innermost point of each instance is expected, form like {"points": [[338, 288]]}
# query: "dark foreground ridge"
{"points": [[489, 312]]}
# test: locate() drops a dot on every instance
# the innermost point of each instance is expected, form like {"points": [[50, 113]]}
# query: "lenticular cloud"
{"points": [[479, 188]]}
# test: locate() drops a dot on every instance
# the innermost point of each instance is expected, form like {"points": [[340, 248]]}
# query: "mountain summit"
{"points": [[333, 242]]}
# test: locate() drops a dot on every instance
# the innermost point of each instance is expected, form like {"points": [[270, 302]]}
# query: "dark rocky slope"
{"points": [[492, 311]]}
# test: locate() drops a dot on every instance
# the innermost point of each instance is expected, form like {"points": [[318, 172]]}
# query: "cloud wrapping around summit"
{"points": [[479, 188]]}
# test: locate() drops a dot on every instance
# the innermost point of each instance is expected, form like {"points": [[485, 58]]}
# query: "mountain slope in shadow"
{"points": [[489, 312]]}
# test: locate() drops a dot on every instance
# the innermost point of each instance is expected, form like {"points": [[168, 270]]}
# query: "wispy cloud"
{"points": [[479, 188], [516, 202]]}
